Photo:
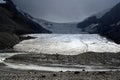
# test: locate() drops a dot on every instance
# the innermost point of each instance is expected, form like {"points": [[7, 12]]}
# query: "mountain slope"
{"points": [[25, 25], [107, 25], [13, 23]]}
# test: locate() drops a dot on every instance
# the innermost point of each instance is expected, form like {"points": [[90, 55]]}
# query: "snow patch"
{"points": [[91, 27]]}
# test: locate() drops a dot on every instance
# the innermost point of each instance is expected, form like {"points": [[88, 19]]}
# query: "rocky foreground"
{"points": [[106, 59], [89, 58], [11, 74]]}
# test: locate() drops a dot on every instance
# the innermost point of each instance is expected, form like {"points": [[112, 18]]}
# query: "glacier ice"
{"points": [[67, 44]]}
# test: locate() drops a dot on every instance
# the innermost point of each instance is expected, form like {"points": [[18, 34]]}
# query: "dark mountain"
{"points": [[14, 23], [108, 25]]}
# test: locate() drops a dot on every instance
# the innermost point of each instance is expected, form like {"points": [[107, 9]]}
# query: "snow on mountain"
{"points": [[55, 28], [107, 24], [59, 28], [91, 23]]}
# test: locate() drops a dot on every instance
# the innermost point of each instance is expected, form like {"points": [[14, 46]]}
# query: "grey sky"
{"points": [[64, 10], [1, 1]]}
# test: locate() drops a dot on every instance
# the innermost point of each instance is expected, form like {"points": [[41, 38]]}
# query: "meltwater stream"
{"points": [[52, 67], [67, 44]]}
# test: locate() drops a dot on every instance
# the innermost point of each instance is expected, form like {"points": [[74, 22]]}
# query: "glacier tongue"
{"points": [[59, 28], [67, 44]]}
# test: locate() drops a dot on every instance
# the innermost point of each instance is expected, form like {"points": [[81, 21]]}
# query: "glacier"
{"points": [[67, 44]]}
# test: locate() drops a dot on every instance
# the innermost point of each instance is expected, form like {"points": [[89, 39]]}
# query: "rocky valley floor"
{"points": [[107, 59], [62, 57], [11, 74]]}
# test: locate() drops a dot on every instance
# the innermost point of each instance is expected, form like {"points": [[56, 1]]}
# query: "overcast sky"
{"points": [[64, 10], [1, 1]]}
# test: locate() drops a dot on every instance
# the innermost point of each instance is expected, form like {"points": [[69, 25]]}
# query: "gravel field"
{"points": [[11, 74]]}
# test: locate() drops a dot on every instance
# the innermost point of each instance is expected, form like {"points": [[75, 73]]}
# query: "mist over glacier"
{"points": [[64, 10]]}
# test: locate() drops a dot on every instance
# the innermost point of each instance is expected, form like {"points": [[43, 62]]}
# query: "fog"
{"points": [[1, 1], [64, 10]]}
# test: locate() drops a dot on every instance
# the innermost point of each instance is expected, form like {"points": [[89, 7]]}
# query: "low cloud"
{"points": [[64, 10]]}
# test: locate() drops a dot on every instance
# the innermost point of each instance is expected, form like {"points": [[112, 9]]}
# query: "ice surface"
{"points": [[67, 44]]}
